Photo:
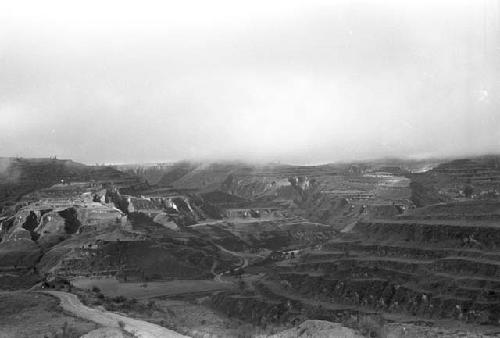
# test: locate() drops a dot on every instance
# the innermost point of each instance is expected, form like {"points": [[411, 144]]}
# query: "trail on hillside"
{"points": [[243, 260], [136, 327]]}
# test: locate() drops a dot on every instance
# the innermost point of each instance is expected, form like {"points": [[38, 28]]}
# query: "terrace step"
{"points": [[472, 281], [471, 266], [449, 233], [388, 296]]}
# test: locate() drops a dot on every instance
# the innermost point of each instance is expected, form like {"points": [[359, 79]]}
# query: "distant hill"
{"points": [[161, 174], [20, 176], [477, 177]]}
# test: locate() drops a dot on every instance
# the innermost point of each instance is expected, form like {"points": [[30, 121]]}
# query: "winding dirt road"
{"points": [[243, 260], [137, 328]]}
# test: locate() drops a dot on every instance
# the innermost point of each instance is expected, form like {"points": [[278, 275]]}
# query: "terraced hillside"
{"points": [[281, 244], [19, 176], [456, 180], [430, 268], [437, 265]]}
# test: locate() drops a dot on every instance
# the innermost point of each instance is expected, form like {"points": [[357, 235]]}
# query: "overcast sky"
{"points": [[291, 81]]}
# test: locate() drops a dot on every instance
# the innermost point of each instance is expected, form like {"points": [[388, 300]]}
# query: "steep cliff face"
{"points": [[52, 229], [46, 217], [256, 187], [43, 221], [180, 209]]}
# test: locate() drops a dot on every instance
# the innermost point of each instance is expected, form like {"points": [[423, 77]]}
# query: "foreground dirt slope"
{"points": [[136, 327], [34, 315], [317, 329]]}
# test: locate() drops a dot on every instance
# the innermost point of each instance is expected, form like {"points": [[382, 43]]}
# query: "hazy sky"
{"points": [[294, 81]]}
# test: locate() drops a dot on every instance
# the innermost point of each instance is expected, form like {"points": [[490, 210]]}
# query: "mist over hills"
{"points": [[259, 169], [388, 241]]}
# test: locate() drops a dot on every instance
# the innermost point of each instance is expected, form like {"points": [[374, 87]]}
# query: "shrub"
{"points": [[119, 299], [372, 327], [242, 285], [129, 304], [65, 332]]}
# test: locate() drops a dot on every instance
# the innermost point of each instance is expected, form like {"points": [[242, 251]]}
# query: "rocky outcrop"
{"points": [[256, 187], [52, 223], [96, 216], [183, 210], [166, 221]]}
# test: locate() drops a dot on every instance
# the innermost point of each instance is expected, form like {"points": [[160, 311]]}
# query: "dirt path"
{"points": [[242, 264], [137, 328], [243, 260]]}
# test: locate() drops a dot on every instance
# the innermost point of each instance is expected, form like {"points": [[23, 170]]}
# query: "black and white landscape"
{"points": [[250, 169]]}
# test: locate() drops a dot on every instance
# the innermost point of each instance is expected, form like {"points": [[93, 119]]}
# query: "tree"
{"points": [[468, 190], [242, 285]]}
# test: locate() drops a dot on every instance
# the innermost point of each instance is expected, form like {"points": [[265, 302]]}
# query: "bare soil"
{"points": [[30, 315]]}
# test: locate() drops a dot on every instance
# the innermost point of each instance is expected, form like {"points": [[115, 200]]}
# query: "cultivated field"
{"points": [[111, 287]]}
